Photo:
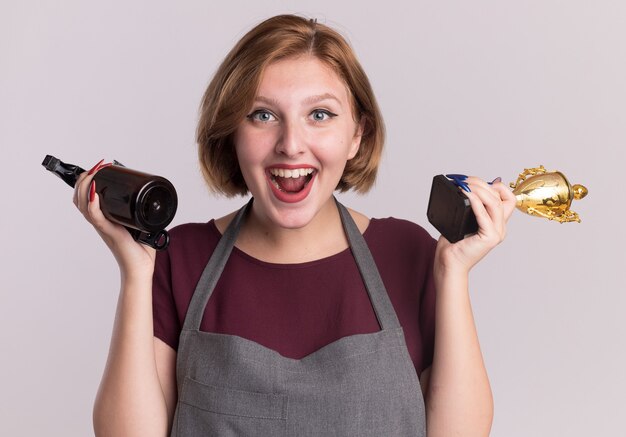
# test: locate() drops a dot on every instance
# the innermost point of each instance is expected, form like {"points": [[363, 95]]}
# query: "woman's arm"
{"points": [[135, 394], [457, 392], [131, 400]]}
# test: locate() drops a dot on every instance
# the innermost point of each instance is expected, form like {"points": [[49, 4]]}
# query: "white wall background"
{"points": [[482, 87]]}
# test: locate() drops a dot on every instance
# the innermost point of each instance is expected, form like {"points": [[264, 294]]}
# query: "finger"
{"points": [[490, 223], [79, 187], [81, 190], [492, 205], [95, 215], [79, 181], [95, 167], [487, 206], [482, 217], [475, 181], [509, 201], [83, 185], [506, 199]]}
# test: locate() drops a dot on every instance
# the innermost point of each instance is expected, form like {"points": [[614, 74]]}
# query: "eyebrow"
{"points": [[308, 101], [320, 97], [266, 100]]}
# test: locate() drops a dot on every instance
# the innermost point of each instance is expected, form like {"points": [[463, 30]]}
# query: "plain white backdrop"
{"points": [[483, 87]]}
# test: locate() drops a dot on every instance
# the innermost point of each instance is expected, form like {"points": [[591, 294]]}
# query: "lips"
{"points": [[290, 183]]}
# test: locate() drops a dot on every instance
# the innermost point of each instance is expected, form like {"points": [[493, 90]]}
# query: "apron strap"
{"points": [[213, 270], [381, 303], [376, 291]]}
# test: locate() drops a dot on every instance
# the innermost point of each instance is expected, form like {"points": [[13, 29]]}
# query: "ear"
{"points": [[356, 140]]}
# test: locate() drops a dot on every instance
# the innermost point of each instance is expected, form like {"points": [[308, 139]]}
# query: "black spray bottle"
{"points": [[145, 204]]}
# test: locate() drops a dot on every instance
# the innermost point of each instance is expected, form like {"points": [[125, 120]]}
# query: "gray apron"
{"points": [[361, 385]]}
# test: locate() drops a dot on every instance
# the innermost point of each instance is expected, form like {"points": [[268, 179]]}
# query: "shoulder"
{"points": [[178, 268], [395, 238], [191, 232], [191, 241], [361, 220], [398, 231]]}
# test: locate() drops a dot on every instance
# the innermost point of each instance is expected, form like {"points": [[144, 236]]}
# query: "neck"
{"points": [[323, 236]]}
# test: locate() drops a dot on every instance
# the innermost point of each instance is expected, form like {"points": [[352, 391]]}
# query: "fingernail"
{"points": [[495, 181], [458, 177], [464, 186], [92, 191], [95, 167], [108, 164]]}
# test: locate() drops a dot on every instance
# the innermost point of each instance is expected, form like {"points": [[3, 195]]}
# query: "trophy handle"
{"points": [[527, 172], [565, 217]]}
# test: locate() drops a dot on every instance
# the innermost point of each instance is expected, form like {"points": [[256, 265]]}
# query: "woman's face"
{"points": [[294, 144]]}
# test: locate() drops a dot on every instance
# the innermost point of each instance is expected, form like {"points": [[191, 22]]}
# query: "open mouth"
{"points": [[291, 180], [291, 185]]}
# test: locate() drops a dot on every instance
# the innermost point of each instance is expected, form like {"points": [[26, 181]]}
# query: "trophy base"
{"points": [[449, 210]]}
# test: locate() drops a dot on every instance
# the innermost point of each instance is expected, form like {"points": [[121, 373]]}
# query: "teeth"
{"points": [[293, 173]]}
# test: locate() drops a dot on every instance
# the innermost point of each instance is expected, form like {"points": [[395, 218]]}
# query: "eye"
{"points": [[262, 115], [320, 115]]}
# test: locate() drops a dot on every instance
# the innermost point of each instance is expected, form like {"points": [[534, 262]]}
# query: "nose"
{"points": [[291, 141]]}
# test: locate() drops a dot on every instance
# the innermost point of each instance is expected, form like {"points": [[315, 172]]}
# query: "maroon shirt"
{"points": [[295, 309]]}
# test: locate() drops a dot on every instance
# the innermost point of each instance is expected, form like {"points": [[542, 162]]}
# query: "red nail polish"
{"points": [[95, 167], [92, 191], [108, 164]]}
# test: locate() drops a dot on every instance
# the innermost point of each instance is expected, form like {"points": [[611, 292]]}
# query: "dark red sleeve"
{"points": [[427, 311], [176, 274], [166, 322]]}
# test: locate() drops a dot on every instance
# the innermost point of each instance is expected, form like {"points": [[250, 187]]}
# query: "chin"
{"points": [[293, 217]]}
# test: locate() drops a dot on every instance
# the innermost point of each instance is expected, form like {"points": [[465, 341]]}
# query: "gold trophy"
{"points": [[547, 194], [539, 192]]}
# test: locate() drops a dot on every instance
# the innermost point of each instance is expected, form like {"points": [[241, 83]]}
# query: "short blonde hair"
{"points": [[232, 90]]}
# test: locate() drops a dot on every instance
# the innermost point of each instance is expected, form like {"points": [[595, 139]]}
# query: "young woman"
{"points": [[294, 315]]}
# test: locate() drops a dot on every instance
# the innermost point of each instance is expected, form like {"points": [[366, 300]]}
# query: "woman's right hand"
{"points": [[133, 258]]}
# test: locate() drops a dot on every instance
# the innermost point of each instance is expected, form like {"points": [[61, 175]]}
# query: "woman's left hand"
{"points": [[492, 204]]}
